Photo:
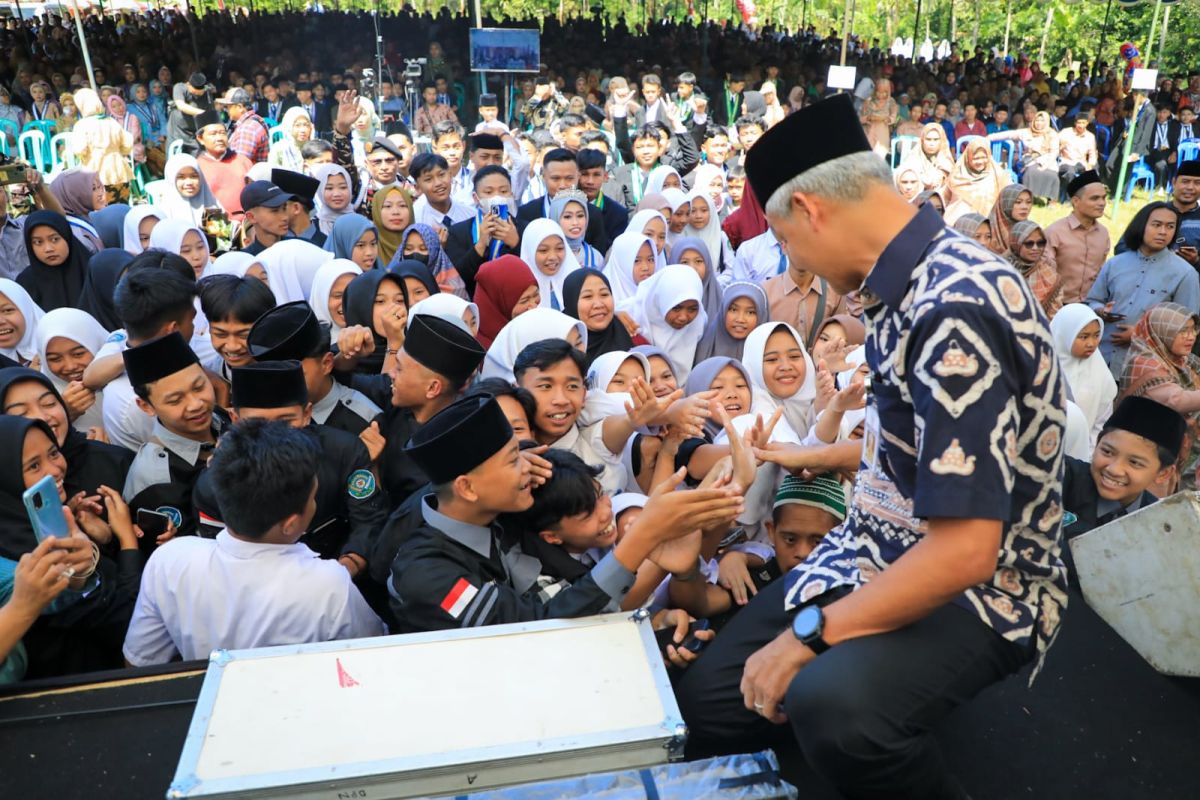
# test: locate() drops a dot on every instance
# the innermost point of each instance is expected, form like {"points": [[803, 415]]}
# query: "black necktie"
{"points": [[446, 221]]}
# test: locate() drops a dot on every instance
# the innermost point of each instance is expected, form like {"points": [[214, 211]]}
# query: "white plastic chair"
{"points": [[175, 148], [32, 148], [156, 190]]}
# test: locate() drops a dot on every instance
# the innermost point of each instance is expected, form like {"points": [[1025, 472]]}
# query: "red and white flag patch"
{"points": [[459, 597]]}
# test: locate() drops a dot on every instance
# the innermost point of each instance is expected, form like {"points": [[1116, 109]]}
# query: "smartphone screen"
{"points": [[44, 508], [152, 523]]}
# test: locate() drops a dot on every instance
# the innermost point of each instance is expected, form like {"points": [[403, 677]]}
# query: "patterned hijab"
{"points": [[1001, 218], [1150, 362]]}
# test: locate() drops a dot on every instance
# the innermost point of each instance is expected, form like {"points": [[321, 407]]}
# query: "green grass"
{"points": [[1044, 215]]}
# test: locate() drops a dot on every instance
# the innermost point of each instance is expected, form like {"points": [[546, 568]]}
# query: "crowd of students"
{"points": [[355, 382]]}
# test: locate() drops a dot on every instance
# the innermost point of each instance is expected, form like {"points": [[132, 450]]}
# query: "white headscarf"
{"points": [[538, 231], [326, 216], [797, 409], [232, 263], [600, 402], [322, 285], [534, 325], [176, 205], [1090, 381], [131, 240], [654, 183], [711, 234], [703, 176], [26, 349], [168, 235], [851, 419], [80, 327], [619, 267], [291, 267], [449, 307], [658, 294], [638, 223]]}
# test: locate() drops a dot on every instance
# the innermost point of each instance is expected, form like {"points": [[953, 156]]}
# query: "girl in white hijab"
{"points": [[631, 260], [704, 223], [681, 208], [239, 265], [328, 213], [172, 235], [451, 308], [19, 318], [710, 180], [292, 266], [782, 374], [328, 287], [131, 238], [608, 382], [545, 251], [64, 369], [655, 182], [1077, 331], [532, 326], [174, 203], [653, 224], [669, 309]]}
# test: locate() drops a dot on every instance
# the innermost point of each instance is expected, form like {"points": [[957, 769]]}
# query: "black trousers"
{"points": [[862, 712]]}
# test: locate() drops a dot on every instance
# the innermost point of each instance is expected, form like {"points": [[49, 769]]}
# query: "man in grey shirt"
{"points": [[13, 258]]}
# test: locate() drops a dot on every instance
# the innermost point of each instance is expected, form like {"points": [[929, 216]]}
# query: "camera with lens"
{"points": [[11, 170], [413, 67], [366, 85]]}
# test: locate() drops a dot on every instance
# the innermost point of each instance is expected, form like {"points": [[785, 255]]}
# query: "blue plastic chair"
{"points": [[8, 129], [62, 154], [275, 133], [900, 147], [48, 128], [1004, 153], [1103, 140], [1141, 173], [962, 143]]}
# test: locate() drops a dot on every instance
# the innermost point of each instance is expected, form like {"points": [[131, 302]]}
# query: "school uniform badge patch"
{"points": [[173, 513], [361, 484]]}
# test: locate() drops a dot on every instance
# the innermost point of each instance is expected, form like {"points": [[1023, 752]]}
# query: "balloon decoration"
{"points": [[748, 11], [1132, 57]]}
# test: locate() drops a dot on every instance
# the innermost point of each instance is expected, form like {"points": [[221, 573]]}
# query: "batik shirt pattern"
{"points": [[965, 419]]}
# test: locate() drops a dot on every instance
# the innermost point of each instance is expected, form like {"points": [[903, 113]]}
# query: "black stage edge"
{"points": [[1099, 723]]}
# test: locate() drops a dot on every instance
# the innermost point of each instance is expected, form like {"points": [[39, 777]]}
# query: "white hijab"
{"points": [[1090, 380], [710, 234], [658, 175], [658, 294], [449, 307], [176, 205], [675, 199], [702, 179], [797, 409], [80, 327], [168, 235], [638, 223], [534, 325], [131, 241], [538, 231], [600, 402], [322, 285], [619, 267], [26, 349], [234, 263], [291, 267], [326, 216]]}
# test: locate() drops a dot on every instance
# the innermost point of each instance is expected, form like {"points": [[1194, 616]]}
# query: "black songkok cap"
{"points": [[206, 118], [459, 438], [487, 100], [805, 139], [287, 332], [443, 347], [157, 359], [1151, 420], [1189, 169], [295, 183], [486, 141], [1085, 178], [274, 384]]}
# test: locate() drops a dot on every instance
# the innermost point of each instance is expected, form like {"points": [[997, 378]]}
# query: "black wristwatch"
{"points": [[807, 626]]}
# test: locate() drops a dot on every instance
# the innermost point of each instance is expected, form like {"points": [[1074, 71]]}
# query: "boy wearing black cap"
{"points": [[255, 585], [461, 569], [494, 230], [351, 508], [303, 190], [1078, 245], [291, 331], [491, 149], [224, 169], [174, 389], [265, 207], [1138, 447], [489, 113]]}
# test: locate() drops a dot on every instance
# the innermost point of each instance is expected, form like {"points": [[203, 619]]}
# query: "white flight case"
{"points": [[427, 714]]}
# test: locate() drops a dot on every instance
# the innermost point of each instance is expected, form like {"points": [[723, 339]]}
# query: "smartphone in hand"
{"points": [[44, 507], [152, 523]]}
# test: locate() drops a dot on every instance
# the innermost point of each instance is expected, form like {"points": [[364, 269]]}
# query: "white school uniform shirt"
{"points": [[758, 259], [428, 215], [199, 595], [125, 423], [588, 444]]}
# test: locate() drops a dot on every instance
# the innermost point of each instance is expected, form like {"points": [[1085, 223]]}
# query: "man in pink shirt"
{"points": [[970, 124], [1078, 245], [224, 170]]}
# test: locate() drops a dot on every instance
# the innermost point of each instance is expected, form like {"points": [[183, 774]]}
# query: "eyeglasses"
{"points": [[1036, 244]]}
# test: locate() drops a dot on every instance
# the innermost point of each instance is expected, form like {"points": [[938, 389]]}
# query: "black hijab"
{"points": [[90, 464], [612, 338], [104, 270], [358, 303], [411, 268], [54, 287], [16, 531]]}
